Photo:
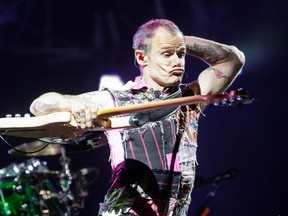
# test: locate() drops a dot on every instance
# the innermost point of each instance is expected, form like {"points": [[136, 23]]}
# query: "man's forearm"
{"points": [[49, 103], [211, 52], [225, 62]]}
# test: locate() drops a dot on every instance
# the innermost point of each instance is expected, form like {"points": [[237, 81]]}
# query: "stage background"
{"points": [[65, 46]]}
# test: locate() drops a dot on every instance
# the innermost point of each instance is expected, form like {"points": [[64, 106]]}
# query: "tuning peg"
{"points": [[224, 101], [216, 102], [239, 98]]}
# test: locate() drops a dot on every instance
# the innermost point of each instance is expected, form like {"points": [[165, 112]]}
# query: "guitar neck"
{"points": [[106, 113], [63, 123]]}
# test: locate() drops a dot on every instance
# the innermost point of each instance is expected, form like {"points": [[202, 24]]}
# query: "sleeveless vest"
{"points": [[160, 149]]}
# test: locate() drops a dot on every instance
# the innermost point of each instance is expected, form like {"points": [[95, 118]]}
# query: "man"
{"points": [[154, 161]]}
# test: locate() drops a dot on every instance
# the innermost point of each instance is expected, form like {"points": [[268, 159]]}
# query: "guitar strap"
{"points": [[141, 118]]}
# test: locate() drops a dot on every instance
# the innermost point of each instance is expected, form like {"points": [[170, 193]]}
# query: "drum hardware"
{"points": [[65, 178], [38, 190], [3, 202], [24, 190], [82, 184], [216, 180]]}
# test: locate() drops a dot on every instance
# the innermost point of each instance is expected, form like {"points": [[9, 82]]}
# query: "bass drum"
{"points": [[27, 189]]}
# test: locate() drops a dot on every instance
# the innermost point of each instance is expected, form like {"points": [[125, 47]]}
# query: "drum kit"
{"points": [[30, 188]]}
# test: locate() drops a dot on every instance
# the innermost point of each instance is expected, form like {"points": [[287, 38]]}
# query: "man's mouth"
{"points": [[177, 72]]}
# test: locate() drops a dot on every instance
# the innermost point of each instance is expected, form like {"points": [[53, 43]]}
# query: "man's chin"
{"points": [[172, 82], [176, 81]]}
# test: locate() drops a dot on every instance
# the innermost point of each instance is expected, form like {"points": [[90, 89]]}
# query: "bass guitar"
{"points": [[63, 125]]}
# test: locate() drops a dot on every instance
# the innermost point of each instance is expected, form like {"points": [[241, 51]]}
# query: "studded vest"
{"points": [[164, 145]]}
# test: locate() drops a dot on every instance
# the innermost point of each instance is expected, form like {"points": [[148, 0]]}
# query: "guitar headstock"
{"points": [[236, 98]]}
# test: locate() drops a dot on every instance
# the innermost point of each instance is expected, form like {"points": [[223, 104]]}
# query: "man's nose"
{"points": [[178, 61]]}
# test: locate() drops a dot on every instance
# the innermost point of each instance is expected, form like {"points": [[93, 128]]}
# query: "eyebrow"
{"points": [[166, 47], [171, 47]]}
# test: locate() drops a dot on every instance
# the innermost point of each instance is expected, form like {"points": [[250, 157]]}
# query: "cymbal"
{"points": [[30, 149]]}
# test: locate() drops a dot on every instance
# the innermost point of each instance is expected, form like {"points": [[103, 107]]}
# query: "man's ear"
{"points": [[140, 57]]}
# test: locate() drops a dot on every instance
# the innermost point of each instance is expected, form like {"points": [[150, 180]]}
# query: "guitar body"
{"points": [[63, 125], [51, 125]]}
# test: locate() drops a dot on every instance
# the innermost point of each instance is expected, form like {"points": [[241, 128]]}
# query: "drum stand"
{"points": [[39, 196], [3, 202], [65, 182], [216, 181]]}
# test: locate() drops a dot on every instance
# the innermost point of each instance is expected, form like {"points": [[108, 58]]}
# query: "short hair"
{"points": [[147, 30]]}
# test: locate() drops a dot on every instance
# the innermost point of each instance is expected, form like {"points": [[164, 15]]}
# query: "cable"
{"points": [[23, 152]]}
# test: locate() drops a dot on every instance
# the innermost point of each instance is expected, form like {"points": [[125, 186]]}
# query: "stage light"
{"points": [[113, 81]]}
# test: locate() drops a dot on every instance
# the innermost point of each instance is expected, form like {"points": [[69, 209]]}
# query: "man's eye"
{"points": [[167, 54]]}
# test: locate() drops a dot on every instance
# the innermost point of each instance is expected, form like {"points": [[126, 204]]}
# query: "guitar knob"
{"points": [[8, 116], [27, 115], [17, 115]]}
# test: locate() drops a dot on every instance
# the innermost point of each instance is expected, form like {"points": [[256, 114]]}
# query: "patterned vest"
{"points": [[160, 152]]}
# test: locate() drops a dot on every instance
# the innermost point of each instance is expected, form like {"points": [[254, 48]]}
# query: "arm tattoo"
{"points": [[221, 75], [45, 108], [206, 52]]}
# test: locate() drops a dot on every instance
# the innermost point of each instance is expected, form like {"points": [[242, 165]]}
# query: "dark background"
{"points": [[64, 46]]}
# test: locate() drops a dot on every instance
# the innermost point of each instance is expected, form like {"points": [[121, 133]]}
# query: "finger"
{"points": [[88, 115], [89, 124], [82, 118], [77, 117], [88, 118], [82, 125], [94, 112], [77, 111]]}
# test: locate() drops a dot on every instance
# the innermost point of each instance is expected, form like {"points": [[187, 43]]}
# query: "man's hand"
{"points": [[85, 113]]}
